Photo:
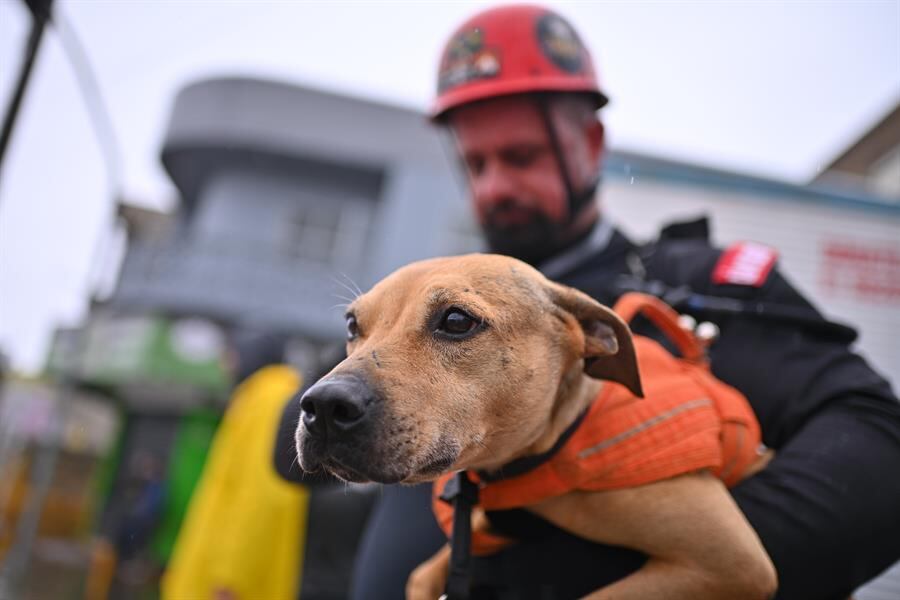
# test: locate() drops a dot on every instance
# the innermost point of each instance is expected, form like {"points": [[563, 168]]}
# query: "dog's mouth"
{"points": [[386, 465], [350, 464], [354, 470], [355, 475]]}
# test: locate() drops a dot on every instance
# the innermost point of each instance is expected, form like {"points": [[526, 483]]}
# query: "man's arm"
{"points": [[699, 543]]}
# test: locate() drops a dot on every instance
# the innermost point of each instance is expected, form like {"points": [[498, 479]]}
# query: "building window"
{"points": [[331, 231]]}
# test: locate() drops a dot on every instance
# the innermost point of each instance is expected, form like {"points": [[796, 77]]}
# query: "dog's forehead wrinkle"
{"points": [[386, 315], [530, 290]]}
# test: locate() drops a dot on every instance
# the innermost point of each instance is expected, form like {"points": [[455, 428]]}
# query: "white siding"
{"points": [[886, 587]]}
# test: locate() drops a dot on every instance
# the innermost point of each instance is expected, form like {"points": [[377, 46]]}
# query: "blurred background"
{"points": [[180, 172]]}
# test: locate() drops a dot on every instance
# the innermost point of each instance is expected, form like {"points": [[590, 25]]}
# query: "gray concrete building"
{"points": [[291, 199]]}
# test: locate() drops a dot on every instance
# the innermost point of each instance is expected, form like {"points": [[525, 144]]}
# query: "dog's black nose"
{"points": [[338, 404]]}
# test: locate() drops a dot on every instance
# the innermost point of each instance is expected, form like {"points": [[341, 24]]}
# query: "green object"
{"points": [[189, 452], [105, 476], [176, 360]]}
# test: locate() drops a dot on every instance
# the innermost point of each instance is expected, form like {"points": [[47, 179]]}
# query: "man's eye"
{"points": [[522, 157], [474, 165], [457, 323], [352, 328]]}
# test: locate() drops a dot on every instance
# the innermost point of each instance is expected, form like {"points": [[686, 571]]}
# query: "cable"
{"points": [[40, 15], [93, 100], [104, 130]]}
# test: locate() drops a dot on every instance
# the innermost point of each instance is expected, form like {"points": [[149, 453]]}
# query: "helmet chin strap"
{"points": [[576, 200]]}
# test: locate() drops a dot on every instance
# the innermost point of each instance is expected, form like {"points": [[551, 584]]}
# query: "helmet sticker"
{"points": [[560, 43], [466, 59]]}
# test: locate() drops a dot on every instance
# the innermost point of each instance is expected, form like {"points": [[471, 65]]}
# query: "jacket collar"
{"points": [[596, 242]]}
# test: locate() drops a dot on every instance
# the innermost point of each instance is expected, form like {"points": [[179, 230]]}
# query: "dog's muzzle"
{"points": [[347, 428], [338, 429]]}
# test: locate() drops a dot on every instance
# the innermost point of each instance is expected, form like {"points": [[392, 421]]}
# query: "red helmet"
{"points": [[513, 49]]}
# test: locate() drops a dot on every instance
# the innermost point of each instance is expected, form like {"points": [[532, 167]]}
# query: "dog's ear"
{"points": [[608, 347]]}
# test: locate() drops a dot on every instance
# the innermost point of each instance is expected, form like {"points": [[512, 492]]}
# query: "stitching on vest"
{"points": [[691, 405]]}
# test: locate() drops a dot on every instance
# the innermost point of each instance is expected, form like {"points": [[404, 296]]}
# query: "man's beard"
{"points": [[534, 238]]}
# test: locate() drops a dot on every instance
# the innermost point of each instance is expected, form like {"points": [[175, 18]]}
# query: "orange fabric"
{"points": [[687, 421], [665, 318]]}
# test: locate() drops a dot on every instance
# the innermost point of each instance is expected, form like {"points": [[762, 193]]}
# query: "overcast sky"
{"points": [[775, 89]]}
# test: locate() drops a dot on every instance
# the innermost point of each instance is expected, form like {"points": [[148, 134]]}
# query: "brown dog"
{"points": [[470, 362]]}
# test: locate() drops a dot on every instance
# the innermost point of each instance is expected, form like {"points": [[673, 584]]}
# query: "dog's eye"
{"points": [[352, 328], [457, 323]]}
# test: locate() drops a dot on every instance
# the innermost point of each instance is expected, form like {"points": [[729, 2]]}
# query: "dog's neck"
{"points": [[576, 393]]}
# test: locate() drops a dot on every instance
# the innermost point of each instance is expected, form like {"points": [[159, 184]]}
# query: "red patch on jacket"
{"points": [[745, 263]]}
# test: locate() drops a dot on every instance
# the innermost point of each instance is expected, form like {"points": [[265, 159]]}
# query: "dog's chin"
{"points": [[432, 465], [428, 469], [364, 473], [437, 466], [388, 474]]}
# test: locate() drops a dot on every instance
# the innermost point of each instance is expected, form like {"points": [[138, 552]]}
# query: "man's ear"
{"points": [[608, 347]]}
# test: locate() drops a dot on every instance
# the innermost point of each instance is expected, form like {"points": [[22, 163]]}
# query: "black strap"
{"points": [[462, 493], [684, 299], [576, 200], [520, 466]]}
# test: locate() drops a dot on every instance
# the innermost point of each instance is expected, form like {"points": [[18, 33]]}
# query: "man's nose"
{"points": [[492, 186], [339, 405]]}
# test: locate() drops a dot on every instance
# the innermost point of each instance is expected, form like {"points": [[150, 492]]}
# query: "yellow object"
{"points": [[244, 532]]}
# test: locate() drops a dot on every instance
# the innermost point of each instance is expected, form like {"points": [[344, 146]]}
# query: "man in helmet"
{"points": [[517, 89], [540, 80]]}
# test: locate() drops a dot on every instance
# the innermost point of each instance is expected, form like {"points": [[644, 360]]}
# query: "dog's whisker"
{"points": [[352, 283], [353, 292], [344, 298]]}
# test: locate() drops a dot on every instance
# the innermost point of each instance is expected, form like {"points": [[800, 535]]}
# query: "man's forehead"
{"points": [[511, 118]]}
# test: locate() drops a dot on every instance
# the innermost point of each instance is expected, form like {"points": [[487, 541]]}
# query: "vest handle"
{"points": [[665, 319]]}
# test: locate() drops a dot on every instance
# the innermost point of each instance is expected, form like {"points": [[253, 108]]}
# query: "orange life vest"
{"points": [[687, 421]]}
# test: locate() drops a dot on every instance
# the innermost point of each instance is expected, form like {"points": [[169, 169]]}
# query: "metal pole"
{"points": [[40, 13], [43, 469]]}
